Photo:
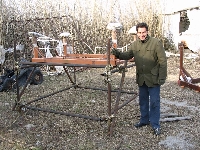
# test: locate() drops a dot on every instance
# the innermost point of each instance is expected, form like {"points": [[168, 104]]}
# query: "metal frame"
{"points": [[185, 82], [106, 61]]}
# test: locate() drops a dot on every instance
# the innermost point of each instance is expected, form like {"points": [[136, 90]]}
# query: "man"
{"points": [[151, 72]]}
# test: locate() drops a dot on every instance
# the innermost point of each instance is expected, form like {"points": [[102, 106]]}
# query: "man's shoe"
{"points": [[139, 124], [157, 131]]}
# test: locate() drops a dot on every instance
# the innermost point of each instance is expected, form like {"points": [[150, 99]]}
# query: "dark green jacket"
{"points": [[150, 60]]}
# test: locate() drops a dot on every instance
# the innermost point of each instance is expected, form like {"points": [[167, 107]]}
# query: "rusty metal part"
{"points": [[65, 113], [101, 89], [125, 103], [45, 96], [109, 88], [190, 85], [118, 98], [185, 82], [66, 71], [17, 74]]}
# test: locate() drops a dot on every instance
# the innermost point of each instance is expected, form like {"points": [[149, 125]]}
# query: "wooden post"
{"points": [[64, 46], [35, 47], [114, 38]]}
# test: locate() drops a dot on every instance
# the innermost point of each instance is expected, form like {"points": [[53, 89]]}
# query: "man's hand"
{"points": [[115, 52], [161, 81]]}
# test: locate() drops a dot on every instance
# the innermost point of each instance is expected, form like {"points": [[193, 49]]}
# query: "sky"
{"points": [[177, 5], [168, 6]]}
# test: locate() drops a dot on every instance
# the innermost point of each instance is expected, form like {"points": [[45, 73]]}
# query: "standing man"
{"points": [[151, 72]]}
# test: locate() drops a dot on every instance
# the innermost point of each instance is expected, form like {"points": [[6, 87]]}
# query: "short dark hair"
{"points": [[141, 25]]}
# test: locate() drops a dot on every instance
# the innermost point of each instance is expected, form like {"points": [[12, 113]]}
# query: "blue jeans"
{"points": [[149, 100]]}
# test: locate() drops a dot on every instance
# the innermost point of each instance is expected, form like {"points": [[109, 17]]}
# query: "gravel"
{"points": [[36, 130]]}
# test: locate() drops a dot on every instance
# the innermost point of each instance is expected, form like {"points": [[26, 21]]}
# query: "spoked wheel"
{"points": [[37, 77], [7, 85]]}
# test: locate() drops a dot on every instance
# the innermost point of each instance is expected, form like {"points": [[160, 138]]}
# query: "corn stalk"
{"points": [[86, 20]]}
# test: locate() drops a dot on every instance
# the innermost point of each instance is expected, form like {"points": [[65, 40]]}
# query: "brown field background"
{"points": [[86, 20]]}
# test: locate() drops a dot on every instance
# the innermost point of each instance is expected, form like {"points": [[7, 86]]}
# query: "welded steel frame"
{"points": [[185, 82], [112, 111]]}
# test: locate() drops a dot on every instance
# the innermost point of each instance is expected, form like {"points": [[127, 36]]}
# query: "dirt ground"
{"points": [[36, 130]]}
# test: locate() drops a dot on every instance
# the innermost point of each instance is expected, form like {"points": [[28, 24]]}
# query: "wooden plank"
{"points": [[85, 61], [100, 56]]}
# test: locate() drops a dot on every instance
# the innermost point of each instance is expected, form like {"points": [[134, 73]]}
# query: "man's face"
{"points": [[142, 33]]}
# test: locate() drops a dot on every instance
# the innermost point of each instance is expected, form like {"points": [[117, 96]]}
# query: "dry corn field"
{"points": [[36, 130]]}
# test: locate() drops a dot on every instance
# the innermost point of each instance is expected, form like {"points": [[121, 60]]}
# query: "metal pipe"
{"points": [[100, 89], [45, 96], [27, 81], [74, 74], [109, 87], [64, 113], [118, 96], [124, 104], [66, 71], [17, 68], [27, 66]]}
